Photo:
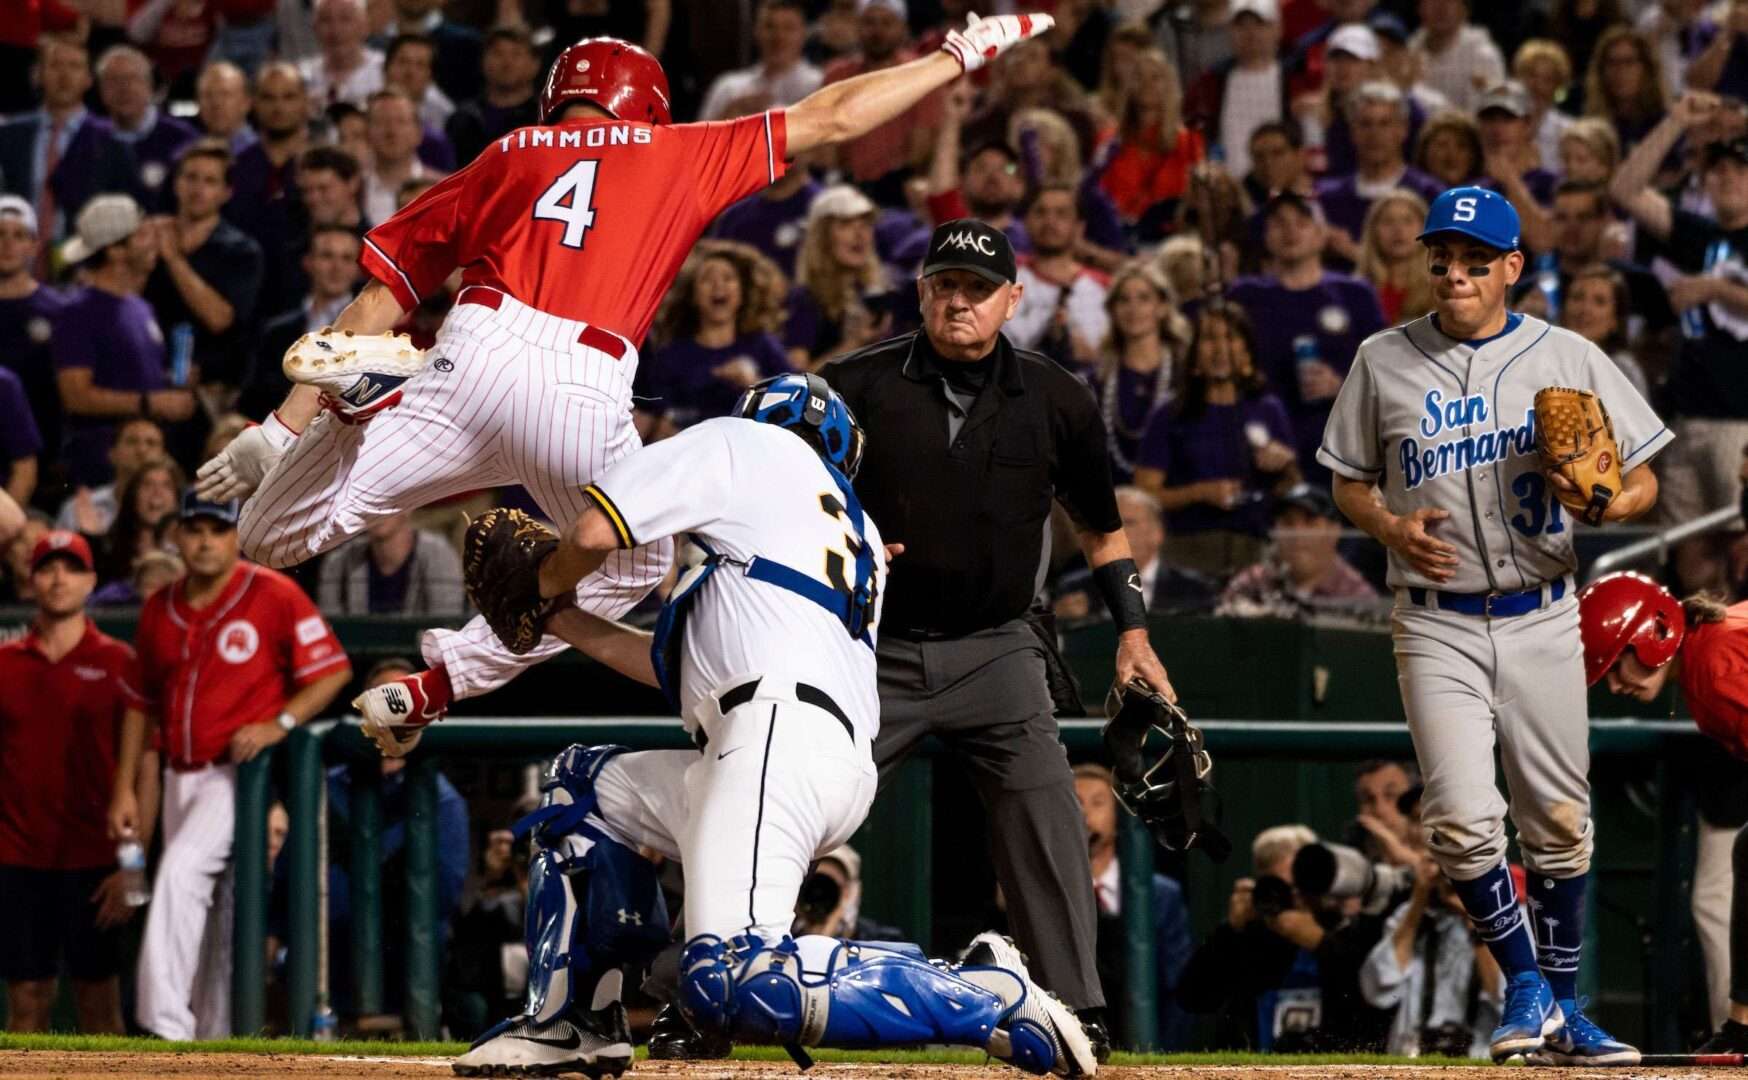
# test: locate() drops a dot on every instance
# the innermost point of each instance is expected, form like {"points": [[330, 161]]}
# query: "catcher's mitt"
{"points": [[501, 566], [1576, 440], [1173, 796]]}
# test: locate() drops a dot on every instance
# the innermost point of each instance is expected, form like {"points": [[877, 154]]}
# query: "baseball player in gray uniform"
{"points": [[1433, 445]]}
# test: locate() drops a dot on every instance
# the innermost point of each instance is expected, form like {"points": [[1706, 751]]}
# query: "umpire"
{"points": [[969, 440]]}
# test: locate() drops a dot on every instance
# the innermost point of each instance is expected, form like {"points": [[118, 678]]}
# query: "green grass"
{"points": [[379, 1048]]}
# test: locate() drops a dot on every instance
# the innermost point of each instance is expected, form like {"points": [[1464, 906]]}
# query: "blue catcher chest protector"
{"points": [[802, 404]]}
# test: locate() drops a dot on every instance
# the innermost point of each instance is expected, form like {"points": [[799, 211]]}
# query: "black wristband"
{"points": [[1119, 582]]}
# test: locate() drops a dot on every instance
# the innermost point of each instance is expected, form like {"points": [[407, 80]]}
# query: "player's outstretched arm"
{"points": [[857, 106], [620, 647]]}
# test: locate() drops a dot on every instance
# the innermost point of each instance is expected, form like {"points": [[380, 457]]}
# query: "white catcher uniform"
{"points": [[784, 699], [1447, 424]]}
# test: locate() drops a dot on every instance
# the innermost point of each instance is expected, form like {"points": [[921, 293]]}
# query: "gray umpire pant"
{"points": [[986, 697]]}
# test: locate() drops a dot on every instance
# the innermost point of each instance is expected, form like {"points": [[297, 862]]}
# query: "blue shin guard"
{"points": [[594, 905], [859, 995]]}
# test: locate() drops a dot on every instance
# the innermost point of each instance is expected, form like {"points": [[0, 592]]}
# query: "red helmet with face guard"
{"points": [[616, 75], [1628, 610]]}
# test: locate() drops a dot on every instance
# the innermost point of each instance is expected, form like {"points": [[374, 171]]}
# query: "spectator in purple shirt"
{"points": [[715, 334], [1449, 149], [844, 297], [1353, 58], [263, 200], [511, 66], [28, 311], [1508, 147], [1377, 114], [773, 219], [109, 352], [19, 441], [1136, 370], [124, 85], [1216, 456], [407, 67], [1309, 320]]}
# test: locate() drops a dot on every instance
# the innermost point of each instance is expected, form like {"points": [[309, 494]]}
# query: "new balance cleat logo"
{"points": [[398, 702], [362, 391]]}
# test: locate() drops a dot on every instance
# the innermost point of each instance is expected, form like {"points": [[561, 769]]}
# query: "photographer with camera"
{"points": [[1282, 972], [830, 901], [1435, 972]]}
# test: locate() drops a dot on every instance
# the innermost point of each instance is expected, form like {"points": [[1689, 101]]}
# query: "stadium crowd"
{"points": [[1214, 202]]}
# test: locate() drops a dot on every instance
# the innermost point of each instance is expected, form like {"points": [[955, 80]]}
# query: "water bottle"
{"points": [[1548, 282], [1304, 355], [181, 353], [131, 857], [323, 1023]]}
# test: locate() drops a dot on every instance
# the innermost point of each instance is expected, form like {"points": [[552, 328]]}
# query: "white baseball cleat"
{"points": [[359, 375], [1035, 1017], [594, 1044]]}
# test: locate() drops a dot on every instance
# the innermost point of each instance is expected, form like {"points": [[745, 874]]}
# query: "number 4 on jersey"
{"points": [[570, 199]]}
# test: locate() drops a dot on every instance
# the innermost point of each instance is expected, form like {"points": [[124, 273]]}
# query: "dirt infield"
{"points": [[74, 1065]]}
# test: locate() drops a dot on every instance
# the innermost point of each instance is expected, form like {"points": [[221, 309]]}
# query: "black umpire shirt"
{"points": [[961, 465]]}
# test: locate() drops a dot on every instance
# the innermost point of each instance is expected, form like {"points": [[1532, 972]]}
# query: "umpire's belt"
{"points": [[736, 696], [1494, 605]]}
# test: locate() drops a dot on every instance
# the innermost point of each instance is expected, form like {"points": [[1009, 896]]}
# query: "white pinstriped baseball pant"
{"points": [[510, 397]]}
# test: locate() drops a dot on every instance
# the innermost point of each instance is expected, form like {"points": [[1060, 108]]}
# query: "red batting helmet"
{"points": [[1623, 610], [616, 75]]}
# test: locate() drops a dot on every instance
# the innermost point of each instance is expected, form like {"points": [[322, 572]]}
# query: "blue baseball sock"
{"points": [[1557, 922], [1491, 901]]}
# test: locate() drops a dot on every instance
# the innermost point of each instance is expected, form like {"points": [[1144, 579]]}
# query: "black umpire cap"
{"points": [[970, 244]]}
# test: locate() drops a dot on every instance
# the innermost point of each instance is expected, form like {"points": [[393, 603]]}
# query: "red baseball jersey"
{"points": [[587, 220], [59, 722], [1714, 678], [210, 671]]}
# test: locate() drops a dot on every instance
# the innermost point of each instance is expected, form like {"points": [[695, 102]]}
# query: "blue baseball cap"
{"points": [[1477, 213], [193, 506]]}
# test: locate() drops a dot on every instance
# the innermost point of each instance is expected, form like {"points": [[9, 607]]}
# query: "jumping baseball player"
{"points": [[566, 235], [1434, 446], [1637, 637], [767, 649]]}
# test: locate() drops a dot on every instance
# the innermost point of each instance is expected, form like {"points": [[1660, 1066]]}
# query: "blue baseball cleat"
{"points": [[1580, 1042], [1531, 1014]]}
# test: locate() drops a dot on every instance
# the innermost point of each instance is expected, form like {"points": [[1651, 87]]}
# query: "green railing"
{"points": [[901, 826]]}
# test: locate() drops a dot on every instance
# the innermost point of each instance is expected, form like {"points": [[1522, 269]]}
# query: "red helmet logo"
{"points": [[616, 75]]}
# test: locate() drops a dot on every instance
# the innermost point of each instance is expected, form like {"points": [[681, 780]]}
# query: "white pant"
{"points": [[779, 784], [1714, 878], [183, 982], [510, 397]]}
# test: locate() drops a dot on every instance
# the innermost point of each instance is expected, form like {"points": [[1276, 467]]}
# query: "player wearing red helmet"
{"points": [[1636, 637], [617, 76]]}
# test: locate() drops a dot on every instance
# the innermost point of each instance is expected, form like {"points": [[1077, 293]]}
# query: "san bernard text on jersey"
{"points": [[1421, 463]]}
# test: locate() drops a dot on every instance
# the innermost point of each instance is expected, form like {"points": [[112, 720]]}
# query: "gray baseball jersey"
{"points": [[1447, 424]]}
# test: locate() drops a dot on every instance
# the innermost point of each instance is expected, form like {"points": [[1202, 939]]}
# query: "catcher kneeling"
{"points": [[766, 649]]}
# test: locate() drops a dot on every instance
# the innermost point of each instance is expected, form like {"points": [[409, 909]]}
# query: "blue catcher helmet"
{"points": [[807, 405]]}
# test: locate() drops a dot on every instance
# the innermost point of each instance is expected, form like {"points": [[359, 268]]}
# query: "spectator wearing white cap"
{"points": [[1235, 98], [1460, 58], [883, 38], [110, 357], [28, 310], [780, 77], [844, 297], [1353, 56], [124, 85]]}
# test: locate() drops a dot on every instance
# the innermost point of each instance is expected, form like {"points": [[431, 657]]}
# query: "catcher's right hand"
{"points": [[237, 470], [501, 566]]}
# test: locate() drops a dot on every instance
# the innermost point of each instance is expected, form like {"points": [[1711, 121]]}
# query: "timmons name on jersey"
{"points": [[575, 138], [1420, 464]]}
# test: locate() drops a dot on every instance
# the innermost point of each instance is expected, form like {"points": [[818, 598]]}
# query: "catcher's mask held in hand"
{"points": [[1172, 796]]}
